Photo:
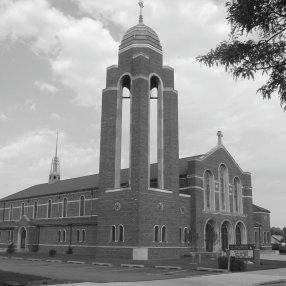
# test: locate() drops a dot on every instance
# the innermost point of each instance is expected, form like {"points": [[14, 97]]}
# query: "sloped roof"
{"points": [[257, 209], [276, 238], [64, 186], [83, 183]]}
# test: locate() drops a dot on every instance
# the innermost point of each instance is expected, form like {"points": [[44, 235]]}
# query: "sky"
{"points": [[53, 60]]}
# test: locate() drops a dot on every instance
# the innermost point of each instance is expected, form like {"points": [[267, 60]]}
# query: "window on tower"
{"points": [[156, 233]]}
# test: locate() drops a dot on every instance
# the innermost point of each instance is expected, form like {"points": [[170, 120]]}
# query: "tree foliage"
{"points": [[257, 42]]}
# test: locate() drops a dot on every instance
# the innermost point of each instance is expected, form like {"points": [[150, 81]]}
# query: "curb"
{"points": [[212, 269], [17, 258], [54, 260], [75, 262], [34, 259], [132, 265], [168, 267], [101, 263]]}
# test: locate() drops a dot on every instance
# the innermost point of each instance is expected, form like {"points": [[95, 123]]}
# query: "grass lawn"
{"points": [[15, 279]]}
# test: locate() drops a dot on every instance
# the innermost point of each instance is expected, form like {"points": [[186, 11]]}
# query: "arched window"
{"points": [[78, 236], [81, 206], [185, 234], [22, 209], [208, 189], [65, 207], [156, 233], [59, 236], [113, 233], [83, 234], [164, 234], [49, 213], [237, 196], [11, 212], [223, 187], [180, 234], [64, 236], [35, 212], [121, 233]]}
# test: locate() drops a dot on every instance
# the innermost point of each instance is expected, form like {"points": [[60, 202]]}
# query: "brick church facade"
{"points": [[200, 203]]}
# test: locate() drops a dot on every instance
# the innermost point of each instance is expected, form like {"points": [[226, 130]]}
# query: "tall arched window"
{"points": [[223, 187], [208, 189], [113, 233], [81, 206], [236, 195], [35, 212], [121, 233], [65, 207], [78, 236], [180, 234], [64, 235], [164, 234], [49, 213], [22, 209], [185, 234], [83, 234], [156, 233], [59, 236], [11, 212]]}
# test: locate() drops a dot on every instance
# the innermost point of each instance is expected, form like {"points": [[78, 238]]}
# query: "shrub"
{"points": [[52, 252], [10, 248], [235, 263], [69, 250]]}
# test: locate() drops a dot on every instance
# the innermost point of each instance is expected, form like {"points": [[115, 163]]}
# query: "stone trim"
{"points": [[161, 191], [184, 195], [117, 190], [140, 46]]}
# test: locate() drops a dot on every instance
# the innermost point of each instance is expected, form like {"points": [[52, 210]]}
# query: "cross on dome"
{"points": [[141, 5], [219, 135]]}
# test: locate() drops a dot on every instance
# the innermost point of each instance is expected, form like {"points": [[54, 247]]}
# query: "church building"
{"points": [[201, 203]]}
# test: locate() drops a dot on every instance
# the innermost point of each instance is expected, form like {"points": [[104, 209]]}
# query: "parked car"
{"points": [[282, 248]]}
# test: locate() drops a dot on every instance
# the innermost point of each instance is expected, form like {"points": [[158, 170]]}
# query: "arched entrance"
{"points": [[226, 235], [23, 239], [210, 235], [240, 234]]}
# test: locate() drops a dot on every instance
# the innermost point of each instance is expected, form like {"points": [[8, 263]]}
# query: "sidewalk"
{"points": [[228, 279]]}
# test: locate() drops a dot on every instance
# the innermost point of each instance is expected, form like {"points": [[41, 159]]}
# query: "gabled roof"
{"points": [[212, 151], [64, 186], [257, 209], [276, 238]]}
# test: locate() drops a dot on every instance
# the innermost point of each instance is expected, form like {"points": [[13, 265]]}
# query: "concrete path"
{"points": [[274, 256], [228, 279]]}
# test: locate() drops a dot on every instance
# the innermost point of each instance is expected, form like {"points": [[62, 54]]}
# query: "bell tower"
{"points": [[128, 199]]}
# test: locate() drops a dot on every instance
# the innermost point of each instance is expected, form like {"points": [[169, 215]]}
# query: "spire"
{"points": [[55, 166], [141, 5], [219, 137]]}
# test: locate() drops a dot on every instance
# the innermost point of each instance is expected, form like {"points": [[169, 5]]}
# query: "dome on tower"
{"points": [[140, 35]]}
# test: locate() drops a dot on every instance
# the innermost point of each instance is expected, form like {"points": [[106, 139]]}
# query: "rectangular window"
{"points": [[35, 213], [49, 212], [11, 212], [180, 234]]}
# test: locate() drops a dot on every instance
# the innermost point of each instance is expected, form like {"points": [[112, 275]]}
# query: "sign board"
{"points": [[242, 251]]}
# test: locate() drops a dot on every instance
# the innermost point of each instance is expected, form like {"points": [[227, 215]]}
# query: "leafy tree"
{"points": [[276, 231], [257, 42]]}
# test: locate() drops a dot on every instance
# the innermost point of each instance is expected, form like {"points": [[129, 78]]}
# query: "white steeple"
{"points": [[55, 166]]}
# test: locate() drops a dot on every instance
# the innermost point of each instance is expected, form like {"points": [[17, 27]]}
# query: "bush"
{"points": [[10, 248], [52, 252], [235, 263], [69, 250]]}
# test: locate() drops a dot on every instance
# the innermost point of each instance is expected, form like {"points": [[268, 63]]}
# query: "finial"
{"points": [[219, 135], [141, 5]]}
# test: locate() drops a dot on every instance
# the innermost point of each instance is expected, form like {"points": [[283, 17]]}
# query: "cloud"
{"points": [[27, 159], [3, 117], [46, 87], [55, 116], [72, 46]]}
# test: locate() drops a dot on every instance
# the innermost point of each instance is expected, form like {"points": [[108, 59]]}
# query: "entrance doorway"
{"points": [[23, 239], [210, 236]]}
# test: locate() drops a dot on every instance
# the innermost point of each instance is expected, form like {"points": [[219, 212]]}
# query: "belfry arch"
{"points": [[157, 98], [123, 83]]}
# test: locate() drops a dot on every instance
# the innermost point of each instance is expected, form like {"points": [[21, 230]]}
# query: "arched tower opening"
{"points": [[156, 130]]}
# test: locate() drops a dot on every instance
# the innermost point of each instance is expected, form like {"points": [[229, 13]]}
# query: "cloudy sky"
{"points": [[53, 58]]}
